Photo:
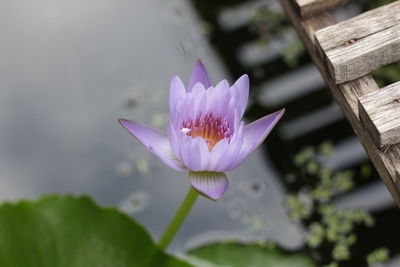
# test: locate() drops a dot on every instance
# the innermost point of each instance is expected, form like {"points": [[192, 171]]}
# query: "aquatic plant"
{"points": [[206, 135], [313, 205]]}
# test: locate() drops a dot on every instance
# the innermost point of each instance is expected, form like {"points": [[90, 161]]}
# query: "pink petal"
{"points": [[199, 75], [255, 133], [211, 184], [193, 153], [177, 93], [216, 155], [153, 140], [240, 90], [218, 99], [173, 138], [195, 101], [225, 153]]}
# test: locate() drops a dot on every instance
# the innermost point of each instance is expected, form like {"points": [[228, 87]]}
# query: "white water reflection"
{"points": [[136, 202], [69, 69]]}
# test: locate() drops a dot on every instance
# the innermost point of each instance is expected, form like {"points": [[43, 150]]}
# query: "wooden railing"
{"points": [[345, 53]]}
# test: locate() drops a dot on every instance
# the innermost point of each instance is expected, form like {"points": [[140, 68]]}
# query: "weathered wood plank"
{"points": [[308, 8], [360, 26], [357, 46], [379, 113], [346, 95]]}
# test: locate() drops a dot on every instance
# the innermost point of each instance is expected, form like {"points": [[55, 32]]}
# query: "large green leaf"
{"points": [[74, 232], [237, 255]]}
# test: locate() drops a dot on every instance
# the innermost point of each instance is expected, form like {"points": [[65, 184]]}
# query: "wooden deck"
{"points": [[345, 53]]}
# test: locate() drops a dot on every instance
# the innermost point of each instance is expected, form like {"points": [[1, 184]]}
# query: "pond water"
{"points": [[69, 69]]}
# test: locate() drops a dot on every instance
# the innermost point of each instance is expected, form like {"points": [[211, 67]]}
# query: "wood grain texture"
{"points": [[379, 113], [308, 8], [346, 95], [357, 46]]}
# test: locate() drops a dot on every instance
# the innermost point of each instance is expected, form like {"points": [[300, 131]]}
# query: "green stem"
{"points": [[180, 216]]}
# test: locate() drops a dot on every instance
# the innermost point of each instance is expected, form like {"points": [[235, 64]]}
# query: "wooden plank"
{"points": [[357, 46], [379, 113], [308, 8], [346, 95]]}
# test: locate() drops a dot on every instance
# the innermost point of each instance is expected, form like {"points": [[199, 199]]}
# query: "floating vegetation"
{"points": [[124, 168], [269, 24], [327, 225], [379, 255], [159, 120], [298, 210], [316, 235], [143, 166], [387, 74], [292, 53]]}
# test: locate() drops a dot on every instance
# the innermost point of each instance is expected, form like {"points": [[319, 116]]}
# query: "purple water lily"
{"points": [[206, 134]]}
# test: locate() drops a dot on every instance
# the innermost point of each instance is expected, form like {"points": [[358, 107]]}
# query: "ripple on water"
{"points": [[134, 203]]}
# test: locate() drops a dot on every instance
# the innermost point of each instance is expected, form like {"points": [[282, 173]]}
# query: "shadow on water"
{"points": [[311, 118]]}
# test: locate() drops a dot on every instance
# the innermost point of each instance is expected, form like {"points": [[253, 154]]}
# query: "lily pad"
{"points": [[73, 231], [255, 255]]}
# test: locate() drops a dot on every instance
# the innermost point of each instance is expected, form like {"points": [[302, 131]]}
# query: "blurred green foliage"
{"points": [[378, 3], [67, 231], [292, 53], [379, 255], [270, 24], [387, 74], [298, 209], [312, 204]]}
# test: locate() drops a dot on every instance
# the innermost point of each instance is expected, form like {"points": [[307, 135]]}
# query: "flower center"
{"points": [[210, 127]]}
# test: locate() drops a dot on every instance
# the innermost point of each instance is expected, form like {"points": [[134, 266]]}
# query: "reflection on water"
{"points": [[69, 69]]}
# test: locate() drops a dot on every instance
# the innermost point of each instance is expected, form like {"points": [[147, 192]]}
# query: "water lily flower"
{"points": [[206, 134]]}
